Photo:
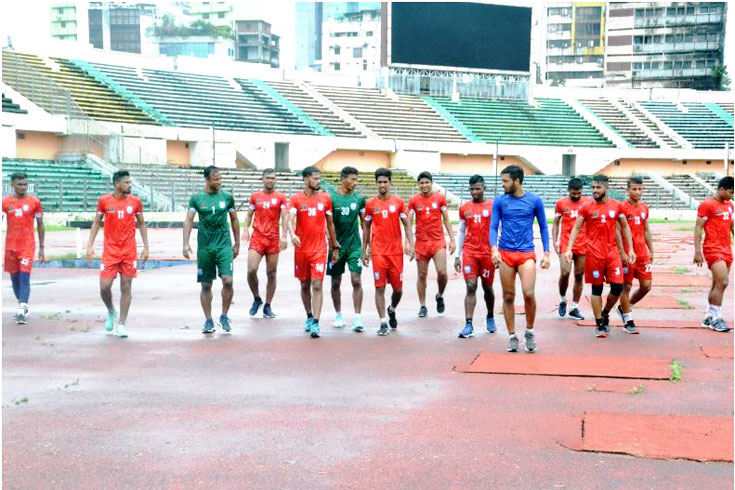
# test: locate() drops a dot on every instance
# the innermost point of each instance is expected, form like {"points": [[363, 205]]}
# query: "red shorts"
{"points": [[641, 270], [18, 261], [112, 266], [514, 259], [310, 265], [576, 249], [388, 269], [598, 270], [711, 257], [264, 245], [474, 266], [425, 249]]}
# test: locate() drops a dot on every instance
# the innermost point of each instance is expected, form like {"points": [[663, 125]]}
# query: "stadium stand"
{"points": [[695, 122], [404, 185], [548, 187], [728, 107], [61, 185], [23, 71], [656, 196], [205, 101], [689, 185], [552, 122], [711, 178], [619, 122], [10, 106], [650, 124], [405, 117]]}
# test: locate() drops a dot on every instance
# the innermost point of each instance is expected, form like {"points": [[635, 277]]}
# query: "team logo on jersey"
{"points": [[485, 213], [376, 210], [304, 207], [353, 205], [222, 205], [258, 201], [25, 207], [467, 269], [111, 209], [377, 275], [468, 214], [612, 213], [129, 209], [392, 208], [320, 206], [594, 214], [433, 205], [643, 215], [274, 201], [420, 207], [596, 274], [566, 210]]}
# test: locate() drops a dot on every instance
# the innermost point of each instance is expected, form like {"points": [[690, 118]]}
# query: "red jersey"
{"points": [[267, 209], [385, 215], [21, 213], [119, 215], [311, 220], [601, 220], [476, 216], [637, 216], [428, 211], [568, 211], [717, 225]]}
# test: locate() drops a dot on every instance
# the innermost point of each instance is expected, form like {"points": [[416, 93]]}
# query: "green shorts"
{"points": [[210, 262], [351, 257]]}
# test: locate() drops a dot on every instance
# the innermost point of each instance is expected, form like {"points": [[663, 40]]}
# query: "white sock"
{"points": [[513, 336], [356, 316], [529, 330], [563, 299], [715, 311], [383, 321], [627, 317], [575, 305]]}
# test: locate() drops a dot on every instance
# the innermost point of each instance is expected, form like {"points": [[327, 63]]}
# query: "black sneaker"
{"points": [[392, 318], [563, 309], [423, 312], [574, 313], [601, 332], [256, 306], [439, 304], [383, 330], [267, 312], [631, 328]]}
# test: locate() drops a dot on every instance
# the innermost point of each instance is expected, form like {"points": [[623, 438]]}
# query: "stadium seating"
{"points": [[61, 186], [315, 110], [404, 185], [696, 123], [548, 187], [205, 101], [619, 122], [10, 106], [552, 122], [710, 178], [650, 124], [655, 196], [25, 72], [405, 117], [687, 184], [728, 106]]}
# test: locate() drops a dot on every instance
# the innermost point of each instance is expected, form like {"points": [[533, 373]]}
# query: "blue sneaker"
{"points": [[490, 324], [307, 324], [720, 325], [208, 326], [314, 330], [110, 322], [563, 309], [224, 322], [339, 321], [267, 312], [467, 331], [256, 306]]}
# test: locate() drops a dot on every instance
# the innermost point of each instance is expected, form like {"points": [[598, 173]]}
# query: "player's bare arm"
{"points": [[96, 224], [41, 230], [295, 240], [188, 225], [619, 244], [333, 243], [555, 235], [649, 240], [409, 248], [143, 230], [568, 255], [628, 237], [366, 235], [248, 223], [235, 223], [698, 256], [450, 232], [284, 228]]}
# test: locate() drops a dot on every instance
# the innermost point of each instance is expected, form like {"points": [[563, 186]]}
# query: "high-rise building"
{"points": [[65, 24], [351, 43], [219, 13], [675, 44], [256, 43]]}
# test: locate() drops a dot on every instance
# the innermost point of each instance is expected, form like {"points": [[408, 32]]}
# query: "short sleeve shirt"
{"points": [[476, 216], [120, 217], [267, 208], [385, 216], [568, 211], [20, 216], [717, 218], [637, 217], [311, 220], [601, 220], [213, 232], [347, 209], [428, 212]]}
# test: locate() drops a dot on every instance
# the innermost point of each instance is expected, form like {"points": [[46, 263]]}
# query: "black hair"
{"points": [[725, 183], [476, 179], [347, 171], [601, 179], [309, 171], [635, 180], [383, 172], [268, 171], [514, 171], [210, 170], [120, 174], [575, 184], [425, 175], [18, 176]]}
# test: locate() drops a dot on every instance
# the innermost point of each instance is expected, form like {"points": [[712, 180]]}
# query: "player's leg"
{"points": [[422, 267], [254, 258], [616, 289], [271, 271], [228, 292], [306, 296], [527, 274], [16, 285], [336, 293], [205, 298], [126, 297], [440, 263], [487, 288], [206, 274], [470, 300], [508, 283], [356, 280], [644, 287], [225, 271], [317, 298], [720, 274], [624, 306], [565, 270], [613, 272], [395, 277], [106, 292], [594, 275], [579, 262], [24, 292]]}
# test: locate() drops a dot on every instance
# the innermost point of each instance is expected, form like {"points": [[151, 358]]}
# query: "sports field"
{"points": [[268, 407]]}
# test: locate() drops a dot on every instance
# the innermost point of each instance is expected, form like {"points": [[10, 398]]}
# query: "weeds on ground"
{"points": [[637, 390], [676, 371], [680, 270], [684, 304]]}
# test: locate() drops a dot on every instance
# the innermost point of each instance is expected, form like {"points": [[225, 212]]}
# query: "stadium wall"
{"points": [[37, 145], [482, 164], [627, 166], [364, 161], [178, 153]]}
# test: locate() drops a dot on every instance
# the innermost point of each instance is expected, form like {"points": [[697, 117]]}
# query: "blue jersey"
{"points": [[517, 214]]}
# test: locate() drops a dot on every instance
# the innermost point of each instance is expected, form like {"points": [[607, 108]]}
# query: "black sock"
{"points": [[605, 312], [468, 320], [258, 300], [490, 315], [315, 321], [267, 305], [598, 322], [309, 315]]}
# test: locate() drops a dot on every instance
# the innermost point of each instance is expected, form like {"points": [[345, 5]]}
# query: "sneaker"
{"points": [[208, 326], [314, 330], [392, 317], [307, 324], [563, 309], [121, 331], [708, 322], [357, 325], [606, 322], [631, 328], [512, 344], [439, 304], [620, 312], [224, 322], [111, 319], [383, 330], [256, 306], [267, 312], [490, 324], [467, 331], [601, 332], [575, 314], [339, 321], [22, 316], [423, 312], [530, 341], [720, 325]]}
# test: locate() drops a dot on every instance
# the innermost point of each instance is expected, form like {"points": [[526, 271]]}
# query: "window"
{"points": [[364, 65], [689, 38], [553, 11], [357, 52], [668, 65], [687, 64], [62, 24], [671, 11], [221, 15], [700, 63], [677, 65], [636, 66], [369, 33], [336, 67], [337, 49], [205, 16], [690, 10]]}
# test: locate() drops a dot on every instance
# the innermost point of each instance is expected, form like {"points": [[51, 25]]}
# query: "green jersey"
{"points": [[214, 227], [345, 213]]}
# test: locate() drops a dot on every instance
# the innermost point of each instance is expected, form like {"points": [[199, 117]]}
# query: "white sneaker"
{"points": [[22, 316], [339, 321], [121, 331]]}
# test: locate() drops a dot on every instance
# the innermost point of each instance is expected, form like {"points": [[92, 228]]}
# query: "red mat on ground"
{"points": [[658, 303], [717, 351], [657, 436], [640, 322], [680, 280], [582, 366]]}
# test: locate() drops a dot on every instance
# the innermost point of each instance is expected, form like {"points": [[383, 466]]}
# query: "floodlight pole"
{"points": [[214, 147], [495, 164]]}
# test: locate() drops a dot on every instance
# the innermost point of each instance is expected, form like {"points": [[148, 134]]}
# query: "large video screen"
{"points": [[466, 35]]}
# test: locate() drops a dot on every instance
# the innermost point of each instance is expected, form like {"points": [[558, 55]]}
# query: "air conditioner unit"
{"points": [[591, 44]]}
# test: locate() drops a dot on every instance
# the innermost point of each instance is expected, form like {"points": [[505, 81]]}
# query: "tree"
{"points": [[722, 79]]}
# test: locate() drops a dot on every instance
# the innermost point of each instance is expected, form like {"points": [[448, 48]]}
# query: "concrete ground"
{"points": [[268, 407]]}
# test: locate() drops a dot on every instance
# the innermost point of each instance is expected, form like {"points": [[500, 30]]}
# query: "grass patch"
{"points": [[58, 228], [637, 390], [689, 228], [676, 371], [680, 270], [70, 255], [684, 304], [22, 400]]}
